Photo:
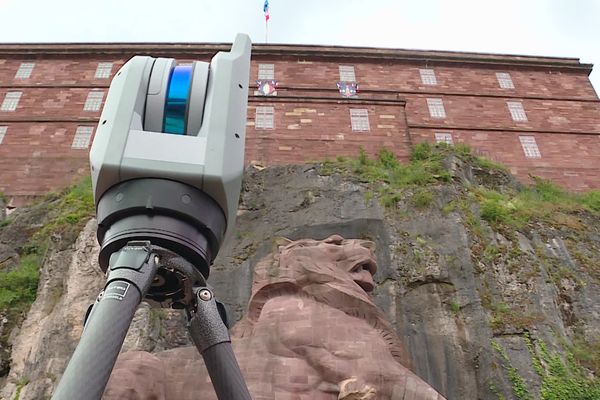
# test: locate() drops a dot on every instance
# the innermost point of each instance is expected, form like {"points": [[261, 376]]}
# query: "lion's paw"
{"points": [[355, 389]]}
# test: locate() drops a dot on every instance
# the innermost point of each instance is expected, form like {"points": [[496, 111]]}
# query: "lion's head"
{"points": [[334, 271], [344, 264]]}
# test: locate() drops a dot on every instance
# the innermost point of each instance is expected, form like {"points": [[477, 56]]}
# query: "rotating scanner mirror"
{"points": [[176, 97], [177, 101]]}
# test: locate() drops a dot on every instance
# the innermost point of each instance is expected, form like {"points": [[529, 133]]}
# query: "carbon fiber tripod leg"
{"points": [[211, 338], [132, 270]]}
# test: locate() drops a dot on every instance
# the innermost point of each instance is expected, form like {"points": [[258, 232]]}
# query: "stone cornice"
{"points": [[302, 52]]}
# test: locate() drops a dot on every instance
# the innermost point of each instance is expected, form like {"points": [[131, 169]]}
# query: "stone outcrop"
{"points": [[474, 307], [69, 282]]}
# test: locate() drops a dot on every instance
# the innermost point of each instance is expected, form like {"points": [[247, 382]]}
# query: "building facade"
{"points": [[537, 115]]}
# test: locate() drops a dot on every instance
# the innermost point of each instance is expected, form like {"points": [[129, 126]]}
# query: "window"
{"points": [[11, 101], [516, 110], [347, 73], [530, 147], [428, 77], [360, 120], [24, 71], [441, 137], [93, 101], [266, 71], [504, 80], [265, 118], [3, 130], [436, 108], [104, 70], [82, 137]]}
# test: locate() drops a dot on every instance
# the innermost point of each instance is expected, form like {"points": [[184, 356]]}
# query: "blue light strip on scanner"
{"points": [[177, 100]]}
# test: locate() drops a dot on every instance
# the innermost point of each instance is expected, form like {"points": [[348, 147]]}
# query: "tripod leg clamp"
{"points": [[134, 263], [206, 326]]}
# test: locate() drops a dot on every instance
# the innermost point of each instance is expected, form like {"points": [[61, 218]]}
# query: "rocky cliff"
{"points": [[493, 287]]}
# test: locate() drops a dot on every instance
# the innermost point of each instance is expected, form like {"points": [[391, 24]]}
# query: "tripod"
{"points": [[133, 273]]}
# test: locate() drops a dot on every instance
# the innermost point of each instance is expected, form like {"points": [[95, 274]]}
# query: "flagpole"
{"points": [[266, 11]]}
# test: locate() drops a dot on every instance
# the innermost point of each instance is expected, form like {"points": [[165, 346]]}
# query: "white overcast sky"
{"points": [[564, 28]]}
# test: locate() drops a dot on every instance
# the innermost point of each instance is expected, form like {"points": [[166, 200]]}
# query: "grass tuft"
{"points": [[503, 208], [390, 177]]}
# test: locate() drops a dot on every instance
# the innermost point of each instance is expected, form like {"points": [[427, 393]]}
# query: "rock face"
{"points": [[476, 309], [310, 331], [69, 282], [2, 207], [15, 234]]}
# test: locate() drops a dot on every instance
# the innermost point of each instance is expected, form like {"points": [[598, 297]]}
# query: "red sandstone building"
{"points": [[537, 115]]}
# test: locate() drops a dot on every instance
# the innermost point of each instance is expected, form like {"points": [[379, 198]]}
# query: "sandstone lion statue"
{"points": [[311, 331]]}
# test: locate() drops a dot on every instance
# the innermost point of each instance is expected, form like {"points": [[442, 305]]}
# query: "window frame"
{"points": [[25, 70], [11, 101], [103, 70], [264, 118], [266, 72], [436, 108], [3, 130], [442, 137], [83, 134], [346, 72], [428, 76], [505, 80], [517, 111], [530, 146], [93, 102], [359, 120]]}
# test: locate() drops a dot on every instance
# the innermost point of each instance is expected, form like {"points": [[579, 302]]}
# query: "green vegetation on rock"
{"points": [[483, 162], [65, 216], [586, 354], [74, 205], [591, 200], [561, 379], [20, 385], [541, 201], [496, 392], [504, 315], [422, 199], [19, 285], [455, 308], [518, 384], [509, 208], [390, 177]]}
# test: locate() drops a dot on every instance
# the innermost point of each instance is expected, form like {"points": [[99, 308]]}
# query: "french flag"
{"points": [[266, 10]]}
